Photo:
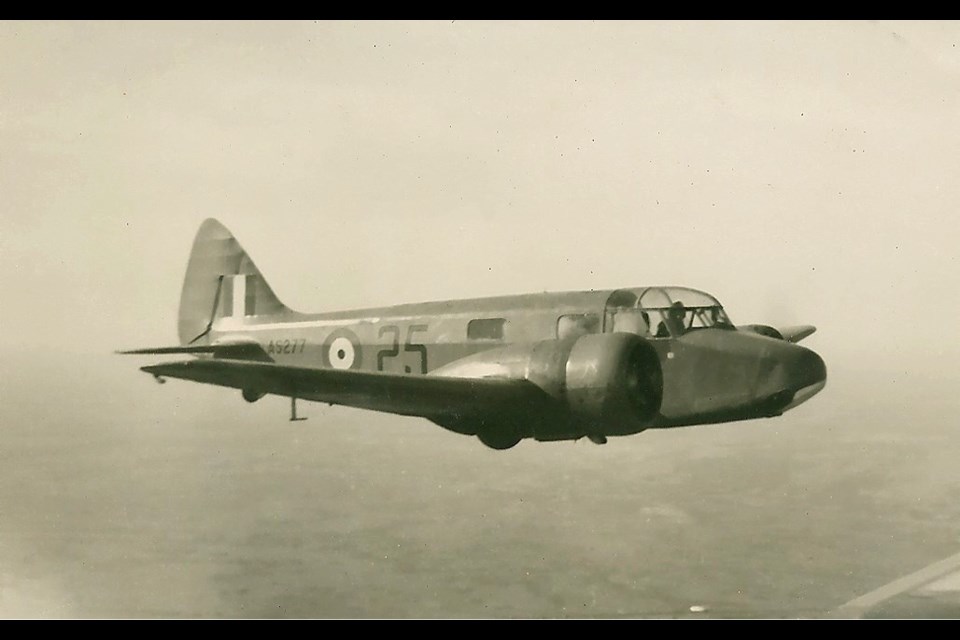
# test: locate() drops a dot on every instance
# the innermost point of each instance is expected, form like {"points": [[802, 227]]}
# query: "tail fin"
{"points": [[221, 281]]}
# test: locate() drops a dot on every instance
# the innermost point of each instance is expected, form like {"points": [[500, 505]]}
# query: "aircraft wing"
{"points": [[798, 333], [428, 396]]}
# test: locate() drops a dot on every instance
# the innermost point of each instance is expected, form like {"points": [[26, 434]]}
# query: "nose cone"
{"points": [[806, 374], [808, 368]]}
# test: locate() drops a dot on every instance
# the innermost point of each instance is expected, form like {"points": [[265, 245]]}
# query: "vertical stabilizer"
{"points": [[221, 281]]}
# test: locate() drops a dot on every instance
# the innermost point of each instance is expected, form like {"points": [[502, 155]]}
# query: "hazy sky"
{"points": [[801, 172]]}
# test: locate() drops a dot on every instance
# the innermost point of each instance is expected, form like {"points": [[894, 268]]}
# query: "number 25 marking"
{"points": [[408, 346]]}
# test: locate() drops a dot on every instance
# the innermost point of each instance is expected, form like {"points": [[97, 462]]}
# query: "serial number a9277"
{"points": [[295, 345]]}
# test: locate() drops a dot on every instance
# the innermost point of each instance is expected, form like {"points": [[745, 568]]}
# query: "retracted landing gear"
{"points": [[499, 438], [597, 439], [293, 410], [251, 395]]}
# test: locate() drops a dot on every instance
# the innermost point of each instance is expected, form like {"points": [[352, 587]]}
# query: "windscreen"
{"points": [[674, 311]]}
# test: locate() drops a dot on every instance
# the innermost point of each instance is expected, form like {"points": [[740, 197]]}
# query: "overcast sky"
{"points": [[801, 172]]}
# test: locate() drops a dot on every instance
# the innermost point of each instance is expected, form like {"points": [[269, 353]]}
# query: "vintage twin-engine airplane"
{"points": [[548, 366]]}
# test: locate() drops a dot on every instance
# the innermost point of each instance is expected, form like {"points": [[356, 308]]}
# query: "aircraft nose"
{"points": [[807, 375], [808, 368]]}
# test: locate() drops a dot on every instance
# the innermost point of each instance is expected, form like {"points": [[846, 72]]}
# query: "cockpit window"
{"points": [[662, 312], [674, 311], [701, 317]]}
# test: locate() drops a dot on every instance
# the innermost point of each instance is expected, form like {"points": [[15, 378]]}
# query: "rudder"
{"points": [[220, 272]]}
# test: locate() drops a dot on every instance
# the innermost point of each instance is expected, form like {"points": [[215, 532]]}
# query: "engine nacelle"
{"points": [[598, 384], [611, 383]]}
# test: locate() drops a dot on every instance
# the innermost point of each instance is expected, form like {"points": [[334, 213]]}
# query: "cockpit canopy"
{"points": [[665, 311]]}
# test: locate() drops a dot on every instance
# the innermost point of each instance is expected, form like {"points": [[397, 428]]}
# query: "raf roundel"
{"points": [[341, 350], [341, 353]]}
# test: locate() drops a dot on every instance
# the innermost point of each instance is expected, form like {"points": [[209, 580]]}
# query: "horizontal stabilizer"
{"points": [[204, 348], [798, 333], [393, 393], [230, 350]]}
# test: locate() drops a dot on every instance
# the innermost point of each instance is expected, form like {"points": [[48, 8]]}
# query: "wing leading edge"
{"points": [[426, 396]]}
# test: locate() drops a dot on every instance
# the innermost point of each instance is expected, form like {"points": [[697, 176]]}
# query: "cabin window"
{"points": [[486, 329], [577, 324]]}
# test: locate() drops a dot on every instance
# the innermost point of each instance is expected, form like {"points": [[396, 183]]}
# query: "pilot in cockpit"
{"points": [[672, 322], [675, 317], [662, 331], [715, 317]]}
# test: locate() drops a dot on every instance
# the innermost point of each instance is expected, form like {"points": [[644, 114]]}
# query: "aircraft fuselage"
{"points": [[547, 366], [710, 374]]}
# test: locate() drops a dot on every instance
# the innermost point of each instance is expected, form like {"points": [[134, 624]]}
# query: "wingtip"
{"points": [[798, 333]]}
